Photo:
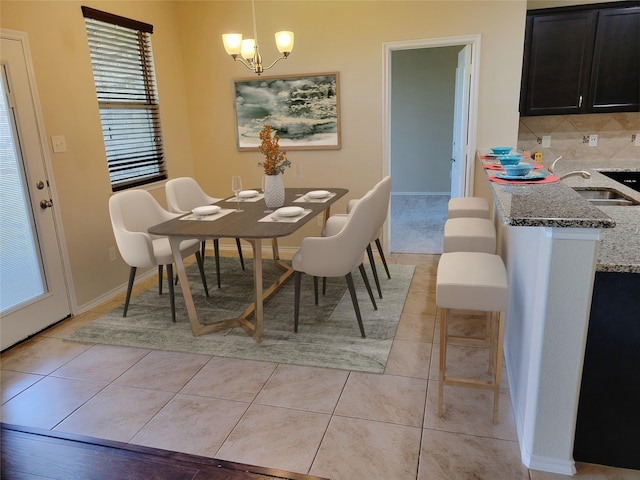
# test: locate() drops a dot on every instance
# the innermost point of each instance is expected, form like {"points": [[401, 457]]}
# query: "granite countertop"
{"points": [[558, 205]]}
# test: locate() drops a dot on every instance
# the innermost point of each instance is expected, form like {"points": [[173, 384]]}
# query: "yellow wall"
{"points": [[195, 86]]}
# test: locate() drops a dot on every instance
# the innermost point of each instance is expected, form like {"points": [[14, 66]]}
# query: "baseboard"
{"points": [[551, 465], [115, 291], [393, 194]]}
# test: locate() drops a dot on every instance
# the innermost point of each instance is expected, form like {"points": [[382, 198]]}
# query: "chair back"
{"points": [[339, 254], [383, 196], [132, 213], [184, 194]]}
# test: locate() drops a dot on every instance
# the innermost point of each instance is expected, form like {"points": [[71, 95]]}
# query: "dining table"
{"points": [[253, 223]]}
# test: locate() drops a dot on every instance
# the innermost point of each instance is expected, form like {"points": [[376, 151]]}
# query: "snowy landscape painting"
{"points": [[303, 110]]}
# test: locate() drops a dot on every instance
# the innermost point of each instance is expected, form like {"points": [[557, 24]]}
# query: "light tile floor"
{"points": [[333, 423]]}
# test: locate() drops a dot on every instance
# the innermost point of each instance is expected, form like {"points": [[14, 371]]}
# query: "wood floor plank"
{"points": [[36, 453]]}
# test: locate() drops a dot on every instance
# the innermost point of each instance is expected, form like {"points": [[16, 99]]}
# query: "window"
{"points": [[123, 73]]}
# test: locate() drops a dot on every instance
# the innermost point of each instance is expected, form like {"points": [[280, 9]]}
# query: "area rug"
{"points": [[328, 334]]}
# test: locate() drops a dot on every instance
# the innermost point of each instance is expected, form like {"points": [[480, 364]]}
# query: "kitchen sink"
{"points": [[629, 179], [606, 197]]}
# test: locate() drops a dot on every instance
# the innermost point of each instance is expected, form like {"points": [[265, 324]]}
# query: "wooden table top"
{"points": [[246, 224]]}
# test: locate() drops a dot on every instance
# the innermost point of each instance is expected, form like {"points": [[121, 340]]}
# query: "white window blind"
{"points": [[124, 77]]}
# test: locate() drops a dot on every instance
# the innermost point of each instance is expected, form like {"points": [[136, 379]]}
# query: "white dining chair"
{"points": [[183, 195], [132, 213], [338, 255], [335, 222]]}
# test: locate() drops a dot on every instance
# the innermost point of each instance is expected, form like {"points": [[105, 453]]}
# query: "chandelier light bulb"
{"points": [[232, 43], [284, 42]]}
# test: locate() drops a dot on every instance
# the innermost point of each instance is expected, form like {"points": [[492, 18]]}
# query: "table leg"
{"points": [[197, 328], [257, 279], [184, 283], [327, 214], [256, 309]]}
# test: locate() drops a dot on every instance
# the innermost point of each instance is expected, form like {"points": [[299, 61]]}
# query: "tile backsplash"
{"points": [[567, 132]]}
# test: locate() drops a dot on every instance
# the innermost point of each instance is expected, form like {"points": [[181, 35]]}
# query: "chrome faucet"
{"points": [[582, 173]]}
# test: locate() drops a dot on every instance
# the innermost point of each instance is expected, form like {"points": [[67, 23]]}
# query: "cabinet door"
{"points": [[559, 63], [615, 77]]}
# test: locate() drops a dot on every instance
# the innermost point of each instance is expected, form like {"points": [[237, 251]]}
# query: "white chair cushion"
{"points": [[472, 281], [162, 249], [468, 207], [469, 235]]}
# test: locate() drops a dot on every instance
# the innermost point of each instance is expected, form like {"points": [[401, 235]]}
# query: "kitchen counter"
{"points": [[558, 205], [555, 244]]}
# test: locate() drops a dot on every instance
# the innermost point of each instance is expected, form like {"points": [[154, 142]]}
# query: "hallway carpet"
{"points": [[417, 223]]}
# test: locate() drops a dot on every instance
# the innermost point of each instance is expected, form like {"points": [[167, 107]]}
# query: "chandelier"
{"points": [[248, 52]]}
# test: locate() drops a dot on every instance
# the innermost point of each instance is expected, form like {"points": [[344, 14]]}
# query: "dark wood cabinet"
{"points": [[615, 75], [581, 60], [608, 419]]}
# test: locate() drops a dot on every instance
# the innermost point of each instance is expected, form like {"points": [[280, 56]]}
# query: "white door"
{"points": [[460, 147], [33, 289]]}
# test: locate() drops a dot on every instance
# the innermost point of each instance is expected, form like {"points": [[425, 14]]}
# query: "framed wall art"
{"points": [[304, 110]]}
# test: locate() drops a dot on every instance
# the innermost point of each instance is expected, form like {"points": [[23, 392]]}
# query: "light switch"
{"points": [[58, 143], [546, 141]]}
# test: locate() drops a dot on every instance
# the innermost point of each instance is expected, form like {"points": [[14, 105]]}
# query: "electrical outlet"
{"points": [[112, 254], [593, 140], [58, 143], [636, 139], [546, 141]]}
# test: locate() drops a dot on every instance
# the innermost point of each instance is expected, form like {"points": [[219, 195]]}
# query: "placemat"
{"points": [[208, 218], [259, 196], [547, 179]]}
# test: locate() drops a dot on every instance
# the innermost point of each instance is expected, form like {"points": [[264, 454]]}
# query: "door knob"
{"points": [[46, 204], [40, 185]]}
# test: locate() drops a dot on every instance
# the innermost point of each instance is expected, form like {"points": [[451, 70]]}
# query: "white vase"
{"points": [[273, 191]]}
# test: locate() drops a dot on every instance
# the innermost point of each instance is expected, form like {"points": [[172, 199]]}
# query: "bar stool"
{"points": [[469, 235], [472, 281], [468, 207]]}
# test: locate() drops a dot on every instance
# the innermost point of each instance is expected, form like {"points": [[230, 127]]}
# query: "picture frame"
{"points": [[304, 110]]}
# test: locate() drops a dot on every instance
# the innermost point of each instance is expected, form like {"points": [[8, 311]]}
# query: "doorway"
{"points": [[429, 119], [35, 292]]}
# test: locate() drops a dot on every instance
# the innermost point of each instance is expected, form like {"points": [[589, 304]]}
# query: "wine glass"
{"points": [[297, 174], [236, 187]]}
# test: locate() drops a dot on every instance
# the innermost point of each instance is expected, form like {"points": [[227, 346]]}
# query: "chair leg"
{"points": [[443, 359], [216, 252], [160, 279], [171, 293], [296, 304], [354, 300], [203, 249], [200, 261], [363, 272], [240, 252], [374, 269], [315, 287], [132, 276], [324, 285], [498, 365], [384, 261]]}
